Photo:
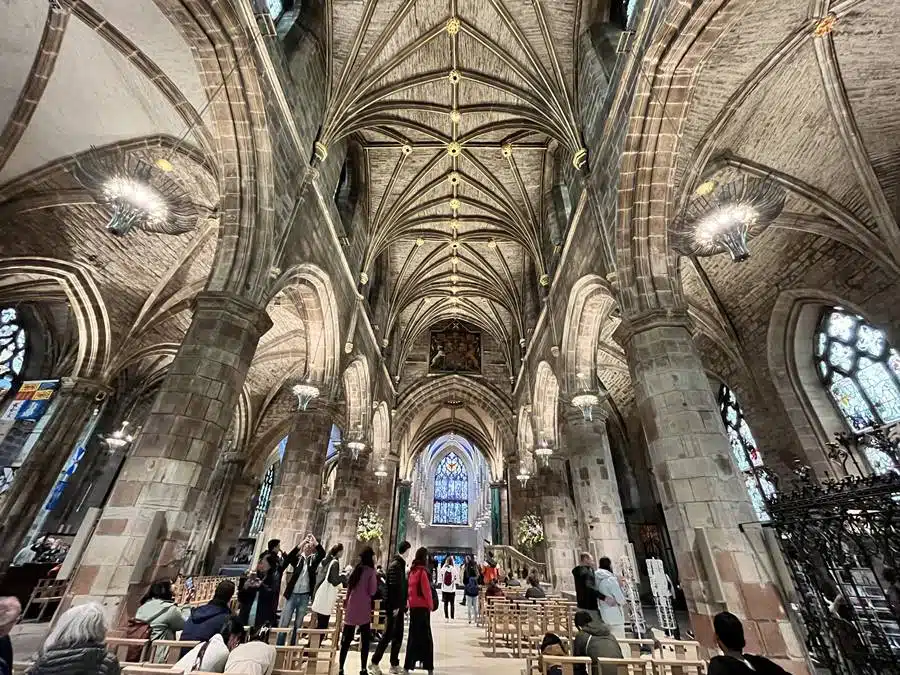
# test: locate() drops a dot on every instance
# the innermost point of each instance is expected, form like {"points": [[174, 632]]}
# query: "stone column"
{"points": [[499, 508], [597, 500], [40, 470], [558, 514], [144, 529], [702, 494], [296, 496], [381, 497], [346, 501]]}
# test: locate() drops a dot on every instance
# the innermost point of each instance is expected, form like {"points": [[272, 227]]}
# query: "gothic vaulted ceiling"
{"points": [[460, 106]]}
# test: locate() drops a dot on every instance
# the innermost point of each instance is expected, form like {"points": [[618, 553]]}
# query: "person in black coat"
{"points": [[395, 606], [586, 594], [254, 590], [305, 560], [730, 638]]}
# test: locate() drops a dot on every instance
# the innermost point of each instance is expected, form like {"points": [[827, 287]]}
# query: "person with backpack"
{"points": [[158, 618], [470, 593], [448, 575], [595, 639], [470, 569], [211, 655], [422, 601], [76, 646]]}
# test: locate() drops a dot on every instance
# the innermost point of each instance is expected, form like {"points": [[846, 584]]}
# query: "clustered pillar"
{"points": [[144, 529], [346, 502], [558, 515], [596, 490], [292, 513], [702, 494]]}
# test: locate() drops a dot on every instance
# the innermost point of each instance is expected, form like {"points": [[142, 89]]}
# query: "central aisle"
{"points": [[459, 649]]}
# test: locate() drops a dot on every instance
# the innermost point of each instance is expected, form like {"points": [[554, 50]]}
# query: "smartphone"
{"points": [[189, 583]]}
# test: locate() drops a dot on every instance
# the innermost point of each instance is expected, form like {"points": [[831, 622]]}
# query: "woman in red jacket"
{"points": [[420, 646]]}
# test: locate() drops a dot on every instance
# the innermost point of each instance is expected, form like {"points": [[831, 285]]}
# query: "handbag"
{"points": [[323, 603]]}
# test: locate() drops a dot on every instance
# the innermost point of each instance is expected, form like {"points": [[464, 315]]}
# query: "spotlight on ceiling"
{"points": [[720, 218]]}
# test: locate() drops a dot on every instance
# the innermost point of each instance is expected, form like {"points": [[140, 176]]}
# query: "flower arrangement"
{"points": [[530, 531], [369, 526]]}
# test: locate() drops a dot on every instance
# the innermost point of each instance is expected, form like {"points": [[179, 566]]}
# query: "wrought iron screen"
{"points": [[841, 541]]}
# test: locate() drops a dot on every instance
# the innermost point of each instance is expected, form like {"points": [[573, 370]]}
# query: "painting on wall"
{"points": [[455, 348]]}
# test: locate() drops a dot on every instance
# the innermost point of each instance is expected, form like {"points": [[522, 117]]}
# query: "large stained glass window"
{"points": [[264, 496], [451, 492], [745, 451], [861, 373], [13, 345]]}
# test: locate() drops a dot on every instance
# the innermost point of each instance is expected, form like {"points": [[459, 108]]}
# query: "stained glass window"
{"points": [[861, 373], [275, 7], [13, 346], [263, 499], [745, 451], [451, 492]]}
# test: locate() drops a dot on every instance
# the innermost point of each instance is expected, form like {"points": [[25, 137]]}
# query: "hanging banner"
{"points": [[31, 401]]}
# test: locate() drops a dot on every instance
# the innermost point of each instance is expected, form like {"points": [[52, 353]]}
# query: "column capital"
{"points": [[498, 484], [234, 304], [650, 319]]}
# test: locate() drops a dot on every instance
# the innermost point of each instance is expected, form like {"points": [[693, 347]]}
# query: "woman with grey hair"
{"points": [[76, 645]]}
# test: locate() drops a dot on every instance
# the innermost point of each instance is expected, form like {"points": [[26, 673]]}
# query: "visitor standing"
{"points": [[361, 587], [470, 569], [586, 594], [491, 570], [449, 576], [612, 607], [395, 606], [594, 639], [255, 596], [76, 645], [470, 593], [730, 638], [327, 585], [305, 560], [420, 644]]}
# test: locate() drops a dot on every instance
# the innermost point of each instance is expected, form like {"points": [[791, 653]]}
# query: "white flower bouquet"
{"points": [[369, 526], [530, 531]]}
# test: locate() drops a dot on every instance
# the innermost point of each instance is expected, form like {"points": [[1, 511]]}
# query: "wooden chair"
{"points": [[628, 666], [172, 649], [680, 667], [47, 592], [567, 663], [676, 650], [632, 648], [120, 646]]}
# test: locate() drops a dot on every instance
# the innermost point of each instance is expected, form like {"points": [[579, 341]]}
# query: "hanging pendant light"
{"points": [[119, 438], [381, 472], [305, 393], [543, 452]]}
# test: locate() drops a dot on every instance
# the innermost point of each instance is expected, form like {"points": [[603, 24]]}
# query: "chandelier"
{"points": [[543, 452], [139, 194], [381, 472], [523, 477], [585, 400], [720, 218], [119, 438], [355, 447], [305, 393]]}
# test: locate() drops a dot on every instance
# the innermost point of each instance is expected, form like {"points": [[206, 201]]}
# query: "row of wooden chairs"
{"points": [[516, 624], [625, 666]]}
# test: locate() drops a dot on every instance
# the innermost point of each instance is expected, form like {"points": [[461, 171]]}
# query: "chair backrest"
{"points": [[565, 663], [121, 645], [676, 650], [172, 649], [627, 666], [631, 648], [680, 667]]}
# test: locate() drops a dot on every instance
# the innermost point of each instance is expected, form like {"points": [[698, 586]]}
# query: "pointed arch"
{"points": [[591, 303], [381, 430], [546, 404], [357, 395]]}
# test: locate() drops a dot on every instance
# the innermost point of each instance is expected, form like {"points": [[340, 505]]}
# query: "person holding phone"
{"points": [[305, 560]]}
